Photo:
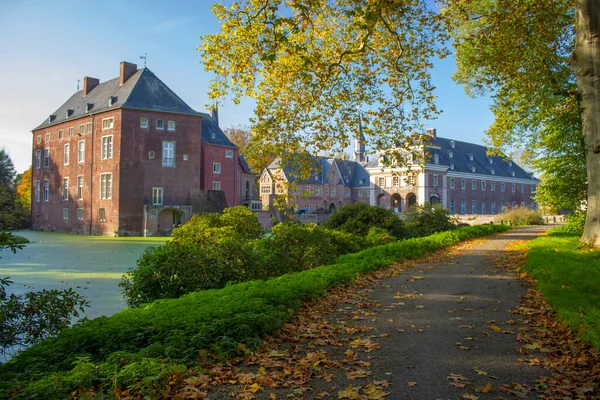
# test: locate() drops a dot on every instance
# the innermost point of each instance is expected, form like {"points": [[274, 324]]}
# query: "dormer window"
{"points": [[450, 154], [513, 173], [212, 135], [510, 163], [471, 157], [436, 158], [493, 172], [111, 100], [68, 113], [88, 107], [51, 118], [453, 144], [473, 169], [491, 160], [452, 167]]}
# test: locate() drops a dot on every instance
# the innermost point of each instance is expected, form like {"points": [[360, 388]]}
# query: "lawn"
{"points": [[568, 274], [91, 265]]}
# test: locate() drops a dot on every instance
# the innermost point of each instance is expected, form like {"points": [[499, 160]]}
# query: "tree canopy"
{"points": [[310, 65]]}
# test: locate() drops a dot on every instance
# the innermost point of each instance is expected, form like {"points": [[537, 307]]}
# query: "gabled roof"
{"points": [[212, 134], [245, 167], [352, 173], [462, 152], [142, 91]]}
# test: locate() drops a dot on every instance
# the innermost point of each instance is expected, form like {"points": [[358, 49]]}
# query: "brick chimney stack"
{"points": [[89, 84], [432, 132], [214, 114], [127, 69]]}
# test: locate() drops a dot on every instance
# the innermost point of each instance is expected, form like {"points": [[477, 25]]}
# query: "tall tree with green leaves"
{"points": [[311, 66], [540, 62]]}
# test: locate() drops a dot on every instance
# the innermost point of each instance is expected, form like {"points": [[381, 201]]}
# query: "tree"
{"points": [[258, 155], [525, 55], [7, 168], [310, 64]]}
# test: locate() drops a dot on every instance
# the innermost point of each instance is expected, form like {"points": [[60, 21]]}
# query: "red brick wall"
{"points": [[140, 173], [49, 215], [229, 176]]}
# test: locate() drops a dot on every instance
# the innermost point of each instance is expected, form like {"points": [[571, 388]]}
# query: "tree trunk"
{"points": [[585, 62]]}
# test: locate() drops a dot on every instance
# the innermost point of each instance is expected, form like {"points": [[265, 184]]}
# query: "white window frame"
{"points": [[216, 185], [307, 189], [61, 133], [228, 153], [502, 187], [108, 123], [67, 149], [107, 147], [39, 139], [47, 138], [161, 123], [483, 186], [146, 124], [106, 186], [436, 179], [436, 159], [65, 214], [80, 183], [483, 206], [333, 192], [463, 207], [38, 159], [46, 190], [80, 214], [217, 168], [81, 151], [452, 183], [158, 196], [473, 207], [396, 181], [492, 186], [381, 182], [37, 191], [168, 147], [318, 191], [171, 125], [70, 131], [88, 127], [65, 194], [473, 184], [493, 207], [46, 157], [101, 214], [360, 193], [452, 206], [514, 187], [81, 129], [463, 184]]}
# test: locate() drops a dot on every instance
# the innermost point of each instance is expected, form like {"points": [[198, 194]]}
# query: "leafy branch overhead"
{"points": [[309, 66]]}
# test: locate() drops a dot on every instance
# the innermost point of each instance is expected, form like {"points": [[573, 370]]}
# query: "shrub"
{"points": [[345, 242], [379, 236], [518, 216], [358, 218], [200, 229], [172, 270], [427, 219], [295, 247], [575, 224]]}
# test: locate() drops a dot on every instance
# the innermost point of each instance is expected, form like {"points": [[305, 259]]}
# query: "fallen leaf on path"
{"points": [[411, 384], [484, 389], [479, 372], [349, 393], [373, 392], [469, 396], [496, 328], [359, 373], [466, 326]]}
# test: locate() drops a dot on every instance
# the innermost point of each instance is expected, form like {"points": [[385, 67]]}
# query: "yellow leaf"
{"points": [[411, 384], [373, 393], [349, 393], [485, 389], [253, 388]]}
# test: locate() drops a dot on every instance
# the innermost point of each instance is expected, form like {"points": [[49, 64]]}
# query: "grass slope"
{"points": [[169, 334], [568, 274]]}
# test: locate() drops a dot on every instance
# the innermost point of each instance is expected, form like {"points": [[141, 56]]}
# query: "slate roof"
{"points": [[351, 172], [142, 91], [210, 129], [461, 159], [245, 167]]}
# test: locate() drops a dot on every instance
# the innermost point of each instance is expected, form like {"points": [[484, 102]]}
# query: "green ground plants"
{"points": [[137, 348], [519, 216], [568, 274]]}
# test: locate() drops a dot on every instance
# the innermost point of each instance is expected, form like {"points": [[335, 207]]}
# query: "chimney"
{"points": [[127, 69], [214, 114], [432, 132], [89, 84]]}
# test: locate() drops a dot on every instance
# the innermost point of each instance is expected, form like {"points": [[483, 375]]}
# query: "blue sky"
{"points": [[46, 46]]}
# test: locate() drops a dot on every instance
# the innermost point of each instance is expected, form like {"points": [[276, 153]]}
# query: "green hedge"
{"points": [[219, 320]]}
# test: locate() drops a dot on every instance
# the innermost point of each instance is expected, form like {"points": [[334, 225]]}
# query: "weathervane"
{"points": [[144, 58]]}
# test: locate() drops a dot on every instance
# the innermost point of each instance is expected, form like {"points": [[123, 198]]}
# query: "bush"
{"points": [[295, 247], [177, 329], [575, 224], [379, 236], [174, 269], [200, 229], [518, 216], [427, 219], [345, 242], [359, 218]]}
